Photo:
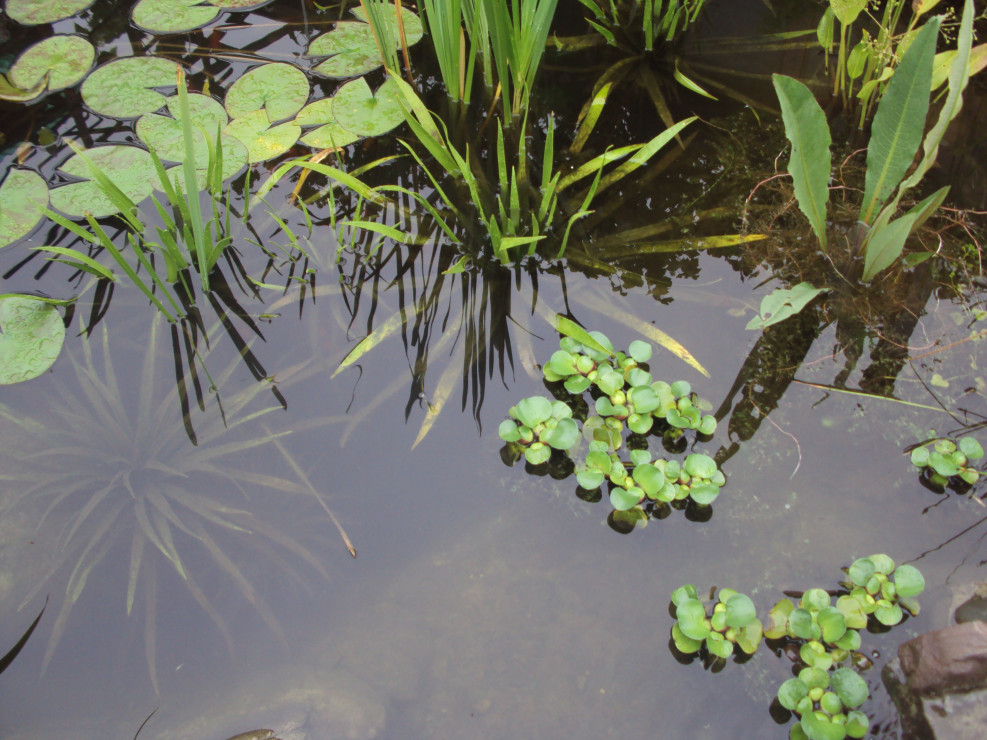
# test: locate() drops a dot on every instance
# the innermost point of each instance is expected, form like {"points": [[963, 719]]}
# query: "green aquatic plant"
{"points": [[118, 480], [944, 459], [829, 633], [655, 20], [882, 589], [31, 336], [826, 704], [539, 425], [731, 624]]}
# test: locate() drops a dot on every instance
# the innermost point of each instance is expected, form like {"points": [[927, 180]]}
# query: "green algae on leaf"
{"points": [[124, 88], [31, 336], [23, 197], [277, 88], [172, 16], [262, 140], [129, 168], [365, 113], [64, 60], [36, 12]]}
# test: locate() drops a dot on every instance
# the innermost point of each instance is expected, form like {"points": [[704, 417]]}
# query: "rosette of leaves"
{"points": [[733, 622], [537, 426], [826, 704], [884, 590], [830, 632], [945, 459]]}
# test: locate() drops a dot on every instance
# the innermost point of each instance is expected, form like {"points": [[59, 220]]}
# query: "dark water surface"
{"points": [[484, 602]]}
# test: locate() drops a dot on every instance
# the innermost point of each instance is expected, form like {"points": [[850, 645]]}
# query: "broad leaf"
{"points": [[329, 134], [262, 140], [279, 89], [64, 59], [31, 336], [124, 88], [809, 165], [846, 11], [351, 47], [366, 113]]}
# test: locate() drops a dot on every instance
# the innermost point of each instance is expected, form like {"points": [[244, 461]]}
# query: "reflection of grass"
{"points": [[126, 475]]}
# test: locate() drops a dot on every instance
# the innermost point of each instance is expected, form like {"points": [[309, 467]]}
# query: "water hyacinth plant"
{"points": [[826, 704], [944, 460], [732, 623]]}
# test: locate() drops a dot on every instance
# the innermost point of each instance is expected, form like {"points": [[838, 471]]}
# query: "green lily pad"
{"points": [[129, 168], [172, 16], [31, 336], [238, 4], [124, 88], [413, 29], [262, 140], [36, 12], [15, 94], [351, 49], [23, 197], [165, 135], [279, 89], [64, 59], [365, 113]]}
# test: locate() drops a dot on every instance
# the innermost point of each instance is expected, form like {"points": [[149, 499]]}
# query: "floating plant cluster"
{"points": [[624, 400], [825, 637], [945, 462]]}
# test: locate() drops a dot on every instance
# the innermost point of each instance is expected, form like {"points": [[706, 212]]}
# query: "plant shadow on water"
{"points": [[114, 474]]}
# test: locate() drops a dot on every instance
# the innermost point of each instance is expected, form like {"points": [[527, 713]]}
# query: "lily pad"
{"points": [[238, 4], [413, 29], [279, 89], [129, 167], [165, 136], [23, 197], [31, 336], [124, 88], [365, 113], [172, 16], [351, 47], [329, 134], [262, 140], [16, 95], [64, 59], [36, 12]]}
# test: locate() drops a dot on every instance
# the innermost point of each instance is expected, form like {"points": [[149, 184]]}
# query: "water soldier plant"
{"points": [[827, 693], [624, 400]]}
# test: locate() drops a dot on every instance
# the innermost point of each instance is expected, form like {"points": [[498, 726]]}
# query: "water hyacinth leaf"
{"points": [[279, 89], [857, 724], [649, 478], [861, 571], [262, 140], [576, 384], [699, 465], [853, 612], [36, 12], [882, 563], [821, 727], [351, 48], [832, 623], [565, 435], [971, 448], [791, 692], [740, 611], [365, 113], [571, 329], [718, 645], [749, 637], [810, 163], [909, 581], [640, 351], [888, 614], [814, 678], [128, 167], [777, 625], [801, 625], [688, 591], [508, 431], [815, 599], [899, 122], [691, 616], [850, 687], [537, 453], [704, 493], [23, 198], [124, 88], [590, 479], [172, 16], [533, 410], [623, 499], [64, 59], [31, 336], [683, 643], [781, 303], [920, 457]]}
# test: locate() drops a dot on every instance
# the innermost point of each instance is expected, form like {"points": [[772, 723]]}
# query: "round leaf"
{"points": [[351, 47], [279, 89], [650, 478], [920, 457], [640, 351], [749, 637], [691, 616], [801, 625], [700, 466], [888, 614], [623, 499], [534, 410], [853, 612], [832, 622], [817, 726], [537, 453], [508, 431], [740, 611], [684, 644], [909, 581], [704, 493], [882, 563], [791, 692], [850, 687], [857, 724], [36, 12], [23, 197], [172, 16], [565, 435], [123, 88], [31, 336], [129, 167], [968, 445], [719, 646], [861, 570], [561, 362], [590, 479], [65, 59], [262, 140]]}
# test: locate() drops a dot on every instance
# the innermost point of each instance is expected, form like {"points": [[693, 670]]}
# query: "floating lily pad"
{"points": [[351, 47], [31, 336], [262, 140], [238, 4], [413, 29], [124, 88], [173, 16], [279, 89], [329, 134], [364, 113], [23, 196], [165, 135], [64, 59], [129, 168], [35, 12], [16, 95]]}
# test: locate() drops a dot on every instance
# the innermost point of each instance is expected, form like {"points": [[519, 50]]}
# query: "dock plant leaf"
{"points": [[23, 197], [63, 59], [125, 88], [31, 336]]}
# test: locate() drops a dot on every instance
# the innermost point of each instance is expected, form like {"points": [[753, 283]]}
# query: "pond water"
{"points": [[484, 601]]}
